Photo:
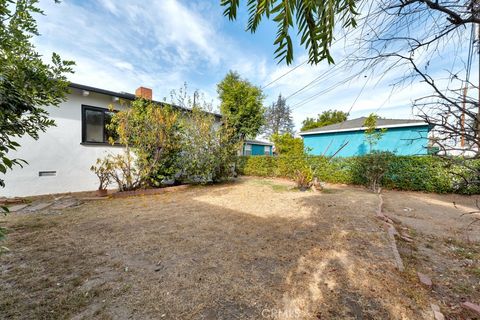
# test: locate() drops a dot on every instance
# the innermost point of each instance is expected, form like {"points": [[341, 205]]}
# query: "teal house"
{"points": [[257, 148], [347, 139]]}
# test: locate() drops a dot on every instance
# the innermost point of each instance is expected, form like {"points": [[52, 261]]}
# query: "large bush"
{"points": [[208, 151], [416, 173], [164, 145], [153, 132]]}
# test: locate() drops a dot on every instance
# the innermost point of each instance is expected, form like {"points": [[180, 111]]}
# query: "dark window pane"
{"points": [[93, 126]]}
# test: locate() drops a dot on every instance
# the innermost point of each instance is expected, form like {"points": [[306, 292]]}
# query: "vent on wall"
{"points": [[47, 173]]}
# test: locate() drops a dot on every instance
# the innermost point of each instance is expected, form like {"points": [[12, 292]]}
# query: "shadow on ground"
{"points": [[234, 251]]}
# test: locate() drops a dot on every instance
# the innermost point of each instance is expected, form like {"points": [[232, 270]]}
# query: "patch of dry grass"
{"points": [[242, 250]]}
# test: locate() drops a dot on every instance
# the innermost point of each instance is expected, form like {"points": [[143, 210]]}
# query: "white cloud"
{"points": [[124, 65], [122, 44], [110, 5], [152, 43]]}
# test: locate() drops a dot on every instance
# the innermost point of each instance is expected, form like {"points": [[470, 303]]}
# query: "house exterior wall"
{"points": [[257, 149], [59, 149], [401, 141]]}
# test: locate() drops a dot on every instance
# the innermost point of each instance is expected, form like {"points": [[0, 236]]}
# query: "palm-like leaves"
{"points": [[314, 19]]}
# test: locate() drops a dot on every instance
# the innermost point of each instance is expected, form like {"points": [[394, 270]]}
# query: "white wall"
{"points": [[59, 149]]}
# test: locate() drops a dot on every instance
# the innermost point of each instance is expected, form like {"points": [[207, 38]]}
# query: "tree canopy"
{"points": [[287, 144], [241, 106], [314, 20], [278, 118], [324, 119], [27, 84]]}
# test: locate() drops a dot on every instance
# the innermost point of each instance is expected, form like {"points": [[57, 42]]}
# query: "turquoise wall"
{"points": [[257, 149], [401, 141]]}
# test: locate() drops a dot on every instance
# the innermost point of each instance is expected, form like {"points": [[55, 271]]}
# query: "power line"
{"points": [[298, 66], [332, 87], [283, 75], [315, 80], [349, 110]]}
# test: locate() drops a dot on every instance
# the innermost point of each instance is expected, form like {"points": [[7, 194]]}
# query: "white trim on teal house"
{"points": [[403, 125], [347, 139], [257, 148]]}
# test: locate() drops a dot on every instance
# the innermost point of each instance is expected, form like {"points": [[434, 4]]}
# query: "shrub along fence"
{"points": [[415, 173]]}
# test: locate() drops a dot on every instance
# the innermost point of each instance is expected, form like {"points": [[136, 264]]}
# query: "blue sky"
{"points": [[120, 45]]}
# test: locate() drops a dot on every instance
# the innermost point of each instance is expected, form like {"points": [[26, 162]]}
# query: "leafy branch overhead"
{"points": [[315, 21], [27, 84]]}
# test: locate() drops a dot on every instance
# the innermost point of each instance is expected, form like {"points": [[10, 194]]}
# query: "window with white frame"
{"points": [[248, 149], [266, 150]]}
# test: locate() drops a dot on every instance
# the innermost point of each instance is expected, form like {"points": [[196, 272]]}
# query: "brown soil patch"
{"points": [[445, 246], [247, 250]]}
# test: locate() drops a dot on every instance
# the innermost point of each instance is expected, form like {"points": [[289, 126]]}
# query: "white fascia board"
{"points": [[412, 124]]}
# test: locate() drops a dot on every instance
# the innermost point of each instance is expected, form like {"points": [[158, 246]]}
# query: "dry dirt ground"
{"points": [[446, 244], [253, 249]]}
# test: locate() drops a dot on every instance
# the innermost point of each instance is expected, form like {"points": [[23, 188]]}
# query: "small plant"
{"points": [[118, 168], [372, 135], [103, 170], [124, 172], [303, 178], [373, 167]]}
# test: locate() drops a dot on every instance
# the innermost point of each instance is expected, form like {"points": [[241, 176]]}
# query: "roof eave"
{"points": [[125, 95], [411, 124]]}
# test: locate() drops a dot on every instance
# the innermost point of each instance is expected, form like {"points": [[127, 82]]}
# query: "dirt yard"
{"points": [[253, 249]]}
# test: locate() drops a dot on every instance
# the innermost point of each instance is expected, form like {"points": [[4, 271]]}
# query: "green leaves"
{"points": [[415, 173], [372, 134], [27, 84], [241, 106], [154, 134], [315, 21], [326, 118], [231, 8]]}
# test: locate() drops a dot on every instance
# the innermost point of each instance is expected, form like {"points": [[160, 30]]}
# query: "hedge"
{"points": [[414, 173]]}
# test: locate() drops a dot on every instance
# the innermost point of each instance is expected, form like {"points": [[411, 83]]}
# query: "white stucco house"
{"points": [[60, 160]]}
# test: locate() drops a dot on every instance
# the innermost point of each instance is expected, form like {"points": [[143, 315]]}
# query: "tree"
{"points": [[372, 134], [314, 20], [278, 118], [27, 84], [241, 106], [287, 144], [208, 153], [326, 118], [153, 132]]}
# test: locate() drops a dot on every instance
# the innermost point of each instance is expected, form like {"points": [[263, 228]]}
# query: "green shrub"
{"points": [[263, 166], [373, 167], [414, 173], [303, 177], [424, 173]]}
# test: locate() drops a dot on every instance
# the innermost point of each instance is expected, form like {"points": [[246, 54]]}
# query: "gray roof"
{"points": [[358, 124], [262, 143]]}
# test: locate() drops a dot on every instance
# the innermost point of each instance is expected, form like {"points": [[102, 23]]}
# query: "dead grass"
{"points": [[247, 250], [442, 247]]}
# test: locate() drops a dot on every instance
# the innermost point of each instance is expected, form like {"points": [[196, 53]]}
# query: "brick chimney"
{"points": [[145, 93]]}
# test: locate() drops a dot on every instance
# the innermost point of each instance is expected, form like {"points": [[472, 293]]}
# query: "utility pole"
{"points": [[462, 119], [477, 125]]}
